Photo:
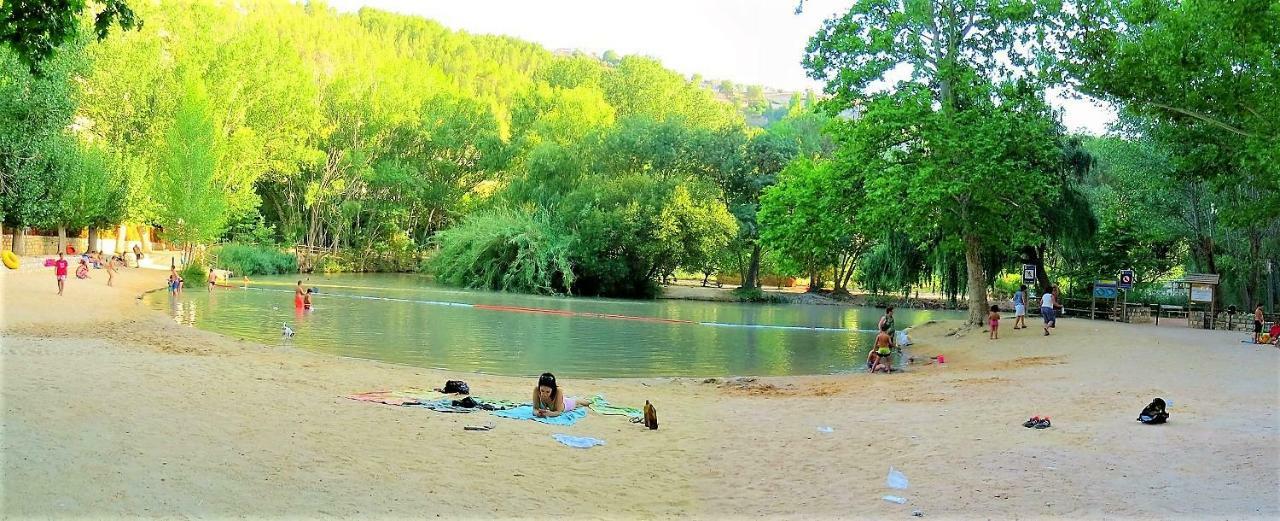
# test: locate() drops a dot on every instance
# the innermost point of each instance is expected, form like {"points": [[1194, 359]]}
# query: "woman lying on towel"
{"points": [[549, 400]]}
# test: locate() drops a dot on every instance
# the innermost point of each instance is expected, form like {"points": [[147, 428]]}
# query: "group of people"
{"points": [[87, 260], [1259, 320], [302, 296], [1049, 306], [880, 359]]}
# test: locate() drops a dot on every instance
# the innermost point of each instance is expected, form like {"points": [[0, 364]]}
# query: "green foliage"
{"points": [[254, 259], [811, 221], [635, 228], [758, 295], [193, 205], [194, 274], [34, 29], [507, 251]]}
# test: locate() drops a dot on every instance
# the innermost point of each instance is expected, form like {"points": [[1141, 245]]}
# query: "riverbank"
{"points": [[693, 290], [114, 410]]}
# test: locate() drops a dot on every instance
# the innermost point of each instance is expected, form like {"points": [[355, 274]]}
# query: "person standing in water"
{"points": [[213, 279], [886, 324], [299, 295]]}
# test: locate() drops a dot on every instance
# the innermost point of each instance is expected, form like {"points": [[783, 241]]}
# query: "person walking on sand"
{"points": [[60, 272], [1020, 308], [1046, 310], [111, 270], [993, 320], [1057, 306]]}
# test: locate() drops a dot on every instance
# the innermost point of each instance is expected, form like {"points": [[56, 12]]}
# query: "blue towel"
{"points": [[525, 412], [580, 442]]}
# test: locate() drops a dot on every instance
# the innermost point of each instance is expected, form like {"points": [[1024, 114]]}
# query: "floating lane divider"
{"points": [[566, 313]]}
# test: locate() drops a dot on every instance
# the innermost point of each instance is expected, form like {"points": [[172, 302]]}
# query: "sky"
{"points": [[744, 41]]}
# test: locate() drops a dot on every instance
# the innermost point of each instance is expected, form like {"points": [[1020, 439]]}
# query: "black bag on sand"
{"points": [[1154, 413], [650, 416], [455, 387], [467, 402]]}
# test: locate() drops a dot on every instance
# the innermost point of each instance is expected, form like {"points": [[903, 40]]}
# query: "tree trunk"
{"points": [[122, 242], [19, 233], [751, 279], [62, 238], [977, 280], [93, 239], [144, 234]]}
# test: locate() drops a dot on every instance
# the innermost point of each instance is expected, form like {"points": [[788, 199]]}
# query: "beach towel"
{"points": [[525, 412], [601, 406], [410, 396], [579, 442], [443, 405]]}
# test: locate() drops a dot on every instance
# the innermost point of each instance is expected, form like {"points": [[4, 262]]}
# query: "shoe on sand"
{"points": [[1031, 422], [1043, 423]]}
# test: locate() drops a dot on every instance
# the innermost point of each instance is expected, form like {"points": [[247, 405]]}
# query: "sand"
{"points": [[113, 410]]}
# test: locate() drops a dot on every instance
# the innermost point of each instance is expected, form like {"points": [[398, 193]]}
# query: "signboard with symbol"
{"points": [[1126, 279], [1028, 274]]}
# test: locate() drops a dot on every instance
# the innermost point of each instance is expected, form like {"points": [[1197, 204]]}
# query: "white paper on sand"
{"points": [[896, 479], [896, 499]]}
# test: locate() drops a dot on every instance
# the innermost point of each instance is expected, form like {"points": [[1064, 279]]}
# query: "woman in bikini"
{"points": [[549, 400]]}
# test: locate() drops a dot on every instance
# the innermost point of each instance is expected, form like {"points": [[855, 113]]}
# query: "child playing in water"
{"points": [[306, 300], [549, 400], [993, 320], [881, 357]]}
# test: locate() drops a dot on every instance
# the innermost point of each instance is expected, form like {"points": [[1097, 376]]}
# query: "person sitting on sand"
{"points": [[993, 320], [549, 400], [82, 271], [881, 358]]}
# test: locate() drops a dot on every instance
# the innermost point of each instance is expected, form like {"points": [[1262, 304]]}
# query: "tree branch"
{"points": [[1202, 117]]}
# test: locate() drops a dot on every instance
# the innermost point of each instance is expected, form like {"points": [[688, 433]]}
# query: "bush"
{"points": [[247, 260], [757, 295], [505, 250], [194, 275]]}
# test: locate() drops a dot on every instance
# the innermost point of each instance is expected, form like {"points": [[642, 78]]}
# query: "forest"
{"points": [[491, 162]]}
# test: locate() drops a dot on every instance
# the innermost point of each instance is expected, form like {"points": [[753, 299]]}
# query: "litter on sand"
{"points": [[578, 442], [896, 479], [478, 427], [824, 429], [896, 499]]}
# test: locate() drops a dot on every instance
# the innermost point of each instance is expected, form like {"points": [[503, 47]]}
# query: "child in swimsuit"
{"points": [[881, 359], [993, 320]]}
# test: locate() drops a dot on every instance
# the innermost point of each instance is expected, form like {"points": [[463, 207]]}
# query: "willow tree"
{"points": [[953, 151]]}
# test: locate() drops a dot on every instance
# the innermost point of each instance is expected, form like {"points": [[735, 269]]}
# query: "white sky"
{"points": [[744, 41]]}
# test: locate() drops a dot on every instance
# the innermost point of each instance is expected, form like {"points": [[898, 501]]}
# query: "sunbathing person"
{"points": [[549, 400]]}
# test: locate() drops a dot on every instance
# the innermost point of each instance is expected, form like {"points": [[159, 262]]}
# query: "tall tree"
{"points": [[955, 150], [192, 201]]}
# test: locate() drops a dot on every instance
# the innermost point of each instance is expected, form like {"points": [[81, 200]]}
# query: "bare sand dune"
{"points": [[113, 410]]}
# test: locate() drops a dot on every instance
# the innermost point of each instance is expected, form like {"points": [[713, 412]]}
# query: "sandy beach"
{"points": [[113, 410]]}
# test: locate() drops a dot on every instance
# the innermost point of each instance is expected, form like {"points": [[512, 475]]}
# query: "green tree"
{"points": [[959, 142], [35, 28], [191, 200], [810, 219]]}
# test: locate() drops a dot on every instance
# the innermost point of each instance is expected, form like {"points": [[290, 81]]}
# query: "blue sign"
{"points": [[1126, 279], [1104, 291]]}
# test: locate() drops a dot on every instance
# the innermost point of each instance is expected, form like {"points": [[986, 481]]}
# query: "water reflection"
{"points": [[403, 319]]}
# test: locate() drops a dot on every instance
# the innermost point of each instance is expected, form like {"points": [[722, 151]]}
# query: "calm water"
{"points": [[404, 319]]}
